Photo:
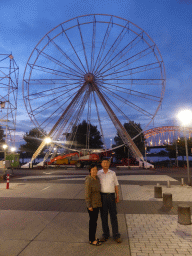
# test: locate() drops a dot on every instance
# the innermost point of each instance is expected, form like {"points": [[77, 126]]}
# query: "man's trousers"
{"points": [[109, 206]]}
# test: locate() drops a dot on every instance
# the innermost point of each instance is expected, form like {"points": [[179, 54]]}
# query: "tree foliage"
{"points": [[133, 129], [2, 135], [180, 145], [2, 141], [33, 139], [79, 136]]}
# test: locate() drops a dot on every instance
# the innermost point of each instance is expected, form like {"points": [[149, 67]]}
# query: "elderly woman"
{"points": [[93, 201]]}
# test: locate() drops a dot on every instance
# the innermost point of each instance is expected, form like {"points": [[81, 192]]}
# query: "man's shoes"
{"points": [[118, 240], [103, 239]]}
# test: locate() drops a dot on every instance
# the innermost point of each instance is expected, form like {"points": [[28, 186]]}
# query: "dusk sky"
{"points": [[168, 22]]}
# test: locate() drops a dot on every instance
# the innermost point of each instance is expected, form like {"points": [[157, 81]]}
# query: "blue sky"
{"points": [[24, 22]]}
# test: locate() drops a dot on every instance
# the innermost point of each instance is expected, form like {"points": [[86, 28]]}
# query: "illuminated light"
{"points": [[13, 149], [47, 140], [2, 104], [185, 116], [5, 146]]}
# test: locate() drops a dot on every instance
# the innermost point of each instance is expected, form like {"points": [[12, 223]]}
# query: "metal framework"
{"points": [[98, 68], [165, 135], [9, 74]]}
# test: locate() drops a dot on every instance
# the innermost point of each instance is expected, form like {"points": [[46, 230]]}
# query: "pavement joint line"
{"points": [[46, 188], [37, 235], [126, 227]]}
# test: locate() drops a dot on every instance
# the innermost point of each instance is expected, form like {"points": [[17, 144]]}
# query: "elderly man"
{"points": [[109, 188]]}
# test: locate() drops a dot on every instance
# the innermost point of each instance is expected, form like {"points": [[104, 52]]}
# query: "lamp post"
{"points": [[48, 141], [145, 151], [185, 117], [111, 143], [5, 148], [177, 153], [128, 158]]}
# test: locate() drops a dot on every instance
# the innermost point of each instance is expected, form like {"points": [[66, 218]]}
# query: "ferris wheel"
{"points": [[99, 68]]}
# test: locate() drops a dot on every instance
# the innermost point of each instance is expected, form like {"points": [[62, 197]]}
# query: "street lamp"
{"points": [[5, 146], [48, 140], [185, 116], [13, 149]]}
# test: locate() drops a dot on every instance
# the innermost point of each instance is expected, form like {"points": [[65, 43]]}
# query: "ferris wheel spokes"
{"points": [[113, 48], [82, 41], [130, 104], [103, 44], [74, 116], [52, 71], [61, 64], [121, 130], [93, 45], [132, 92], [126, 62], [129, 71], [67, 57], [121, 53], [99, 120], [74, 51]]}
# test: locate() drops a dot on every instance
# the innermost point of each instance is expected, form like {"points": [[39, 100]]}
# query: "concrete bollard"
{"points": [[158, 192], [182, 181], [168, 184], [167, 200], [184, 214]]}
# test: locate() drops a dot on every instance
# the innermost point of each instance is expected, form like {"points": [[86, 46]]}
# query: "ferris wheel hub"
{"points": [[89, 77]]}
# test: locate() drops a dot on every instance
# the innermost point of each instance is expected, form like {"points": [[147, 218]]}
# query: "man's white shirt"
{"points": [[108, 181]]}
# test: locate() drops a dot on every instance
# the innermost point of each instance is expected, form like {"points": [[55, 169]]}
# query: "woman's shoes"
{"points": [[96, 242], [103, 239]]}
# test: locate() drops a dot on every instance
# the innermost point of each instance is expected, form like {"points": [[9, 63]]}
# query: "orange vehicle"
{"points": [[77, 159]]}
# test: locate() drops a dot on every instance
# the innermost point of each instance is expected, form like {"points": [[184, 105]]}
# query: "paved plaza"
{"points": [[50, 219]]}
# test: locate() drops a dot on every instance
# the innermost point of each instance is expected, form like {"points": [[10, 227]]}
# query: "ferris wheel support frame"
{"points": [[43, 143], [121, 130]]}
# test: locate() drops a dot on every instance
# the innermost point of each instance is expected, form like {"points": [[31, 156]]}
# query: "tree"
{"points": [[180, 145], [79, 136], [33, 139], [2, 141], [2, 135], [133, 129]]}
